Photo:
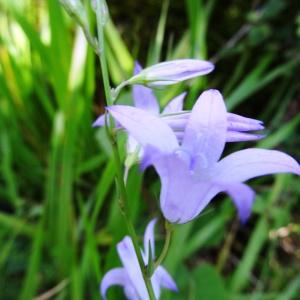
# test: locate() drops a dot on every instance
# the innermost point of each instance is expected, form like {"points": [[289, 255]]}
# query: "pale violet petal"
{"points": [[235, 123], [100, 121], [117, 276], [235, 136], [144, 97], [182, 196], [130, 262], [205, 132], [242, 196], [240, 119], [149, 238], [175, 105], [240, 126], [164, 278], [131, 293], [146, 128], [156, 287], [178, 125], [250, 163], [137, 68], [231, 136], [132, 145]]}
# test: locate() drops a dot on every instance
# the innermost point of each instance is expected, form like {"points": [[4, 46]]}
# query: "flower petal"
{"points": [[146, 128], [240, 126], [132, 145], [137, 68], [231, 136], [100, 121], [235, 136], [164, 278], [143, 97], [183, 196], [117, 276], [175, 105], [242, 196], [231, 117], [246, 164], [149, 238], [130, 293], [130, 262], [205, 132]]}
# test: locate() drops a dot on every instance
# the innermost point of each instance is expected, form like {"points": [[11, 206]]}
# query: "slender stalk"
{"points": [[119, 170], [101, 51], [166, 246]]}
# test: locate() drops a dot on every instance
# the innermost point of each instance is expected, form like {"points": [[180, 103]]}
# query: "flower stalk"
{"points": [[119, 170], [164, 252]]}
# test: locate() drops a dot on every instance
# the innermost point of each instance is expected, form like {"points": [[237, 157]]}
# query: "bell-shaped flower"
{"points": [[130, 275], [238, 127], [192, 173]]}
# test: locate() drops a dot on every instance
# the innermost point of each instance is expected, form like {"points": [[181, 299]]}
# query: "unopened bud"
{"points": [[171, 72], [76, 10], [103, 10]]}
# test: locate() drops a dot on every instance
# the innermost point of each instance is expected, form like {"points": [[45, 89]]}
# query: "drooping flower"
{"points": [[191, 174], [238, 127], [130, 276]]}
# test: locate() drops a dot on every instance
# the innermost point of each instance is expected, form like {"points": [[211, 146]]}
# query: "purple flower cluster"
{"points": [[191, 171], [185, 148]]}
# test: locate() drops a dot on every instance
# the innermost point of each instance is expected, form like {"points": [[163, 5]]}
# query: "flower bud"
{"points": [[171, 72], [76, 10]]}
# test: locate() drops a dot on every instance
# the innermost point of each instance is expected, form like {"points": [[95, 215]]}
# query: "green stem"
{"points": [[91, 40], [101, 52], [119, 169], [166, 246]]}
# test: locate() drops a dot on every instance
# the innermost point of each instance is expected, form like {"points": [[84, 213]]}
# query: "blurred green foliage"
{"points": [[59, 219]]}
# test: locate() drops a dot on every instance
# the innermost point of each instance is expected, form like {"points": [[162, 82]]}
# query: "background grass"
{"points": [[59, 219]]}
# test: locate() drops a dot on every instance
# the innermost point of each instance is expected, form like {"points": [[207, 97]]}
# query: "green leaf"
{"points": [[208, 284]]}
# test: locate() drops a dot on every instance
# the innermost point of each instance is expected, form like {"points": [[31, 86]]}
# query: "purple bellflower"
{"points": [[191, 173], [130, 276], [238, 127], [171, 72]]}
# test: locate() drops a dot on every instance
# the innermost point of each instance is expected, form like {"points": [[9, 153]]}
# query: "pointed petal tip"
{"points": [[209, 65], [116, 276], [137, 68], [95, 124], [100, 121], [165, 279], [260, 126], [172, 286], [238, 136]]}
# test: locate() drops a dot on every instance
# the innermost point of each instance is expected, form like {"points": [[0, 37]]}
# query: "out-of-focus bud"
{"points": [[76, 10], [103, 10]]}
